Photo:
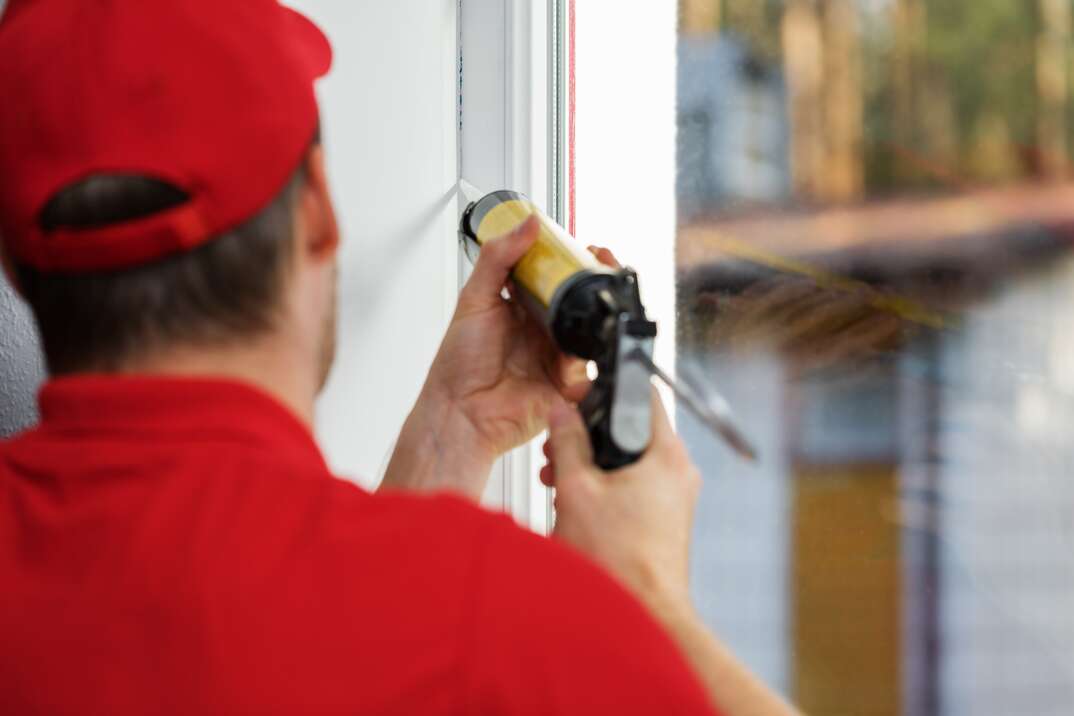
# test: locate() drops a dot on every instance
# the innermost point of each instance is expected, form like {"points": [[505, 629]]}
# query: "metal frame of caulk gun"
{"points": [[598, 315], [618, 408]]}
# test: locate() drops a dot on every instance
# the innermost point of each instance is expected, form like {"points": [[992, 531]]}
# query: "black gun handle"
{"points": [[596, 411]]}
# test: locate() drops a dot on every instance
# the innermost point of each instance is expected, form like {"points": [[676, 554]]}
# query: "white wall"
{"points": [[388, 114]]}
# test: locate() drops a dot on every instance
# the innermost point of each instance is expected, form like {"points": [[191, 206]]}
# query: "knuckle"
{"points": [[566, 473], [492, 254], [676, 453], [579, 481], [680, 464], [692, 477], [682, 454]]}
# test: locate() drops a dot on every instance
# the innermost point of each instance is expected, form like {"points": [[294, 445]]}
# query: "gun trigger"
{"points": [[631, 405]]}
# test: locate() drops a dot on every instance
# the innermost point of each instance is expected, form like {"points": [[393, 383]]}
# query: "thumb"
{"points": [[494, 265], [569, 440], [661, 423]]}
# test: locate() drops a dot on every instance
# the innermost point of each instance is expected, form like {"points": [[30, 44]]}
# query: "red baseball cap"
{"points": [[214, 97]]}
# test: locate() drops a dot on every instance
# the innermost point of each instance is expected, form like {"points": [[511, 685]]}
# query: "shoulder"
{"points": [[18, 441], [523, 622], [585, 641], [396, 515]]}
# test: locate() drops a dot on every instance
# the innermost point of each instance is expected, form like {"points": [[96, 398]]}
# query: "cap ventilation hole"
{"points": [[108, 199]]}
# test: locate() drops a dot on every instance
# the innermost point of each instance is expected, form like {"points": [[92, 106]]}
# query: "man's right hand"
{"points": [[636, 521]]}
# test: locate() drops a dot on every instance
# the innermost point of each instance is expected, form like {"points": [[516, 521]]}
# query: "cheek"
{"points": [[324, 293], [333, 298], [330, 306]]}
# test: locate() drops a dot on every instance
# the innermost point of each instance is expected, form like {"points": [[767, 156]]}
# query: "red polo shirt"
{"points": [[179, 546]]}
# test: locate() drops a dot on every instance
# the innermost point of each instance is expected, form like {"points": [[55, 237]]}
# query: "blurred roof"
{"points": [[976, 226]]}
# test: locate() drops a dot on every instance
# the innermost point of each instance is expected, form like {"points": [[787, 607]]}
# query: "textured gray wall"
{"points": [[21, 366]]}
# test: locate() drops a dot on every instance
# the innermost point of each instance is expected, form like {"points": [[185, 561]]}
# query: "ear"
{"points": [[315, 216]]}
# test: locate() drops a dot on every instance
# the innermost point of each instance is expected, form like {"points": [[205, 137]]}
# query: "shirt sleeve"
{"points": [[552, 633]]}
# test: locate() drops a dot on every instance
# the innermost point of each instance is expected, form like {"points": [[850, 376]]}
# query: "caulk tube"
{"points": [[560, 282]]}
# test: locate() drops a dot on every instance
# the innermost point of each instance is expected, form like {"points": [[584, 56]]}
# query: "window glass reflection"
{"points": [[874, 249]]}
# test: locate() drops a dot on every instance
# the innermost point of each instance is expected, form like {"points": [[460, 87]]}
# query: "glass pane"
{"points": [[875, 220]]}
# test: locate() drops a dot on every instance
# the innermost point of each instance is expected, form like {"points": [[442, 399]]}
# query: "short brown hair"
{"points": [[226, 290]]}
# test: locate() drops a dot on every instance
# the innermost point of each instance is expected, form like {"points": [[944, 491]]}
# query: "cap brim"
{"points": [[312, 43]]}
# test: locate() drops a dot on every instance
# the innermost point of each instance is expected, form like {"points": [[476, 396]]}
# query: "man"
{"points": [[171, 540]]}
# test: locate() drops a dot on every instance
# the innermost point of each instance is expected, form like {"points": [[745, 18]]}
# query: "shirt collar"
{"points": [[176, 406]]}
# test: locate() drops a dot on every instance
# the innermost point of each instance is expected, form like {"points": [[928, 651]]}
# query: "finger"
{"points": [[517, 309], [605, 256], [548, 475], [570, 370], [494, 265], [577, 392], [571, 378], [571, 450]]}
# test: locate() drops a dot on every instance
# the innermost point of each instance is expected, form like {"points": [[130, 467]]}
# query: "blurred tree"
{"points": [[907, 61], [699, 17], [843, 101], [985, 51], [803, 67], [822, 64], [757, 22], [1053, 86], [889, 96], [953, 94]]}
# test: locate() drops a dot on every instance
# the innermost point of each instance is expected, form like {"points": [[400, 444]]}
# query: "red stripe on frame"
{"points": [[572, 113]]}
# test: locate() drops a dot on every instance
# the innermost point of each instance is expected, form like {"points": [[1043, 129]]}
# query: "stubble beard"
{"points": [[329, 329]]}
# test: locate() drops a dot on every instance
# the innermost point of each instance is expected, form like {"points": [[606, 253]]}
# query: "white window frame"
{"points": [[515, 61], [511, 137]]}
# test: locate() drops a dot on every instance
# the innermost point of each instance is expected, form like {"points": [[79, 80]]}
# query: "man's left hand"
{"points": [[492, 384]]}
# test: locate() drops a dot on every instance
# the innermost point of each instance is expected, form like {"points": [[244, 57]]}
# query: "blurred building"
{"points": [[875, 268], [905, 545], [733, 130]]}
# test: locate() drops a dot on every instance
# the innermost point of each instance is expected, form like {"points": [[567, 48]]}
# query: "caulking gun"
{"points": [[595, 313]]}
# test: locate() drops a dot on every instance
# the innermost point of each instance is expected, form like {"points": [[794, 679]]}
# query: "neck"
{"points": [[271, 363]]}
